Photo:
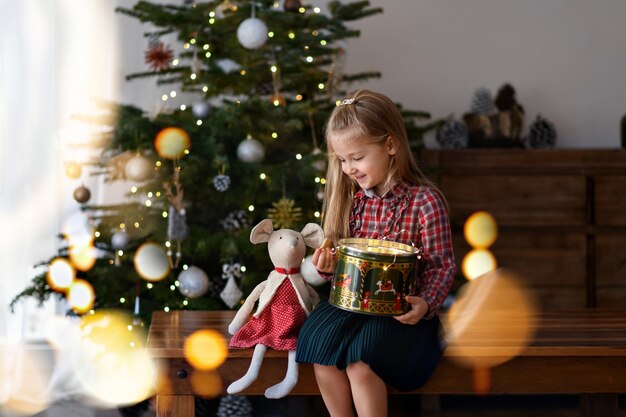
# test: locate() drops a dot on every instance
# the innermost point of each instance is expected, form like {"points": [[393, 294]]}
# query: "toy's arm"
{"points": [[244, 313]]}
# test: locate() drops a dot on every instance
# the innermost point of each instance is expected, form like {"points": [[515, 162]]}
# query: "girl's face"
{"points": [[366, 163]]}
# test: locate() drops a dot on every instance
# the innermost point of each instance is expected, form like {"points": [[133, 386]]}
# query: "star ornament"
{"points": [[159, 56]]}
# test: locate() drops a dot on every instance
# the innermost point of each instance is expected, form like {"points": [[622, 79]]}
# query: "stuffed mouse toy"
{"points": [[285, 301]]}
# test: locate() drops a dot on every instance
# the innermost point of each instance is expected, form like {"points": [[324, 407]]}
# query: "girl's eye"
{"points": [[358, 159]]}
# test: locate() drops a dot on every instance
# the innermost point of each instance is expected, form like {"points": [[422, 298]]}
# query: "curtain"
{"points": [[57, 59]]}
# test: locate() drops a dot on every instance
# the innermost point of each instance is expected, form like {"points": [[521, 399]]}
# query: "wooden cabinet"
{"points": [[561, 216]]}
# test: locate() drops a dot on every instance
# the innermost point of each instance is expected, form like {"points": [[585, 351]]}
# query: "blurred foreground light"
{"points": [[77, 230], [205, 350], [60, 274], [478, 262], [83, 257], [492, 320], [171, 142], [23, 379], [151, 262], [111, 362], [207, 384], [480, 230], [81, 296]]}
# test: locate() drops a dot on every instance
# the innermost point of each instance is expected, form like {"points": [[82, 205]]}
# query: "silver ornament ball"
{"points": [[252, 33], [201, 109], [194, 282], [251, 150], [120, 240]]}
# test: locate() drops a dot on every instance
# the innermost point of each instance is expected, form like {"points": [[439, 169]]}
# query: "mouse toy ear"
{"points": [[313, 235], [262, 232]]}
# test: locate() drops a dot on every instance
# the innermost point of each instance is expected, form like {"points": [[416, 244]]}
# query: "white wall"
{"points": [[565, 58]]}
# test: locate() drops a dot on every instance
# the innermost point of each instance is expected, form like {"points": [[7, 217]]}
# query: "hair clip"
{"points": [[347, 101]]}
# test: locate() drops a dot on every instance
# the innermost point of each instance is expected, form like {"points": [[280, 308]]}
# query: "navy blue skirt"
{"points": [[402, 355]]}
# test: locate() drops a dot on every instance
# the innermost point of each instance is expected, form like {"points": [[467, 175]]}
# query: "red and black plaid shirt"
{"points": [[411, 214]]}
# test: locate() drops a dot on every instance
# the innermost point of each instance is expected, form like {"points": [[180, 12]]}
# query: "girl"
{"points": [[375, 190]]}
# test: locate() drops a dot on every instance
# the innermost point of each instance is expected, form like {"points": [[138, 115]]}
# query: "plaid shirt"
{"points": [[411, 214]]}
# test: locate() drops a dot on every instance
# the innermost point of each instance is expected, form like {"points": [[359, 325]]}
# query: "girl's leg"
{"points": [[368, 390], [335, 388]]}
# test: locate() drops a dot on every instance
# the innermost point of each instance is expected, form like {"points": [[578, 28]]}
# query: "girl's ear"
{"points": [[392, 146]]}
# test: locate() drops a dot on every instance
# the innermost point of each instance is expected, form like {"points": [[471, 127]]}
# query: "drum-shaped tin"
{"points": [[373, 276]]}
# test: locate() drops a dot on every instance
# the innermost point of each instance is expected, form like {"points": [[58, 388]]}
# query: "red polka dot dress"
{"points": [[278, 324]]}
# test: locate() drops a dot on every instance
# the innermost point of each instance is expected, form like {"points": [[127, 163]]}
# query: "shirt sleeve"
{"points": [[436, 238]]}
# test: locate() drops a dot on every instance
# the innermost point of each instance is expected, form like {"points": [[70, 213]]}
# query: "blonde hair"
{"points": [[371, 117]]}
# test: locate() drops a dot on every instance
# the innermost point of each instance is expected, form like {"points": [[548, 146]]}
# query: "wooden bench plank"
{"points": [[572, 352]]}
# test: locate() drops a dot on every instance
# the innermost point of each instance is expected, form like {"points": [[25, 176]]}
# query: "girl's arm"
{"points": [[436, 238]]}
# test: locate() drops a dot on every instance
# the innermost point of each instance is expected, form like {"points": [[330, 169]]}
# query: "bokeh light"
{"points": [[477, 262], [492, 320], [480, 230], [205, 349], [83, 257], [81, 296], [73, 170], [77, 230], [111, 362], [207, 384], [151, 262], [172, 142], [60, 274]]}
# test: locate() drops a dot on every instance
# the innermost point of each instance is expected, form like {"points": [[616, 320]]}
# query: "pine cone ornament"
{"points": [[453, 135], [482, 102], [236, 221], [234, 406], [542, 133], [221, 183]]}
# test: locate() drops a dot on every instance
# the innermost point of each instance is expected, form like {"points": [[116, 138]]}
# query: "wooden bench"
{"points": [[580, 351]]}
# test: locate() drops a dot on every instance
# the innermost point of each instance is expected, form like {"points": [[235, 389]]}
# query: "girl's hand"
{"points": [[324, 260], [419, 308]]}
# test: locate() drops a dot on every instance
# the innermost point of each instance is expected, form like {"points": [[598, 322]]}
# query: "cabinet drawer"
{"points": [[610, 200], [535, 200]]}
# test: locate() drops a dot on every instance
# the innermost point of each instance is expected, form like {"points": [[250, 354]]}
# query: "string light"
{"points": [[309, 59], [192, 41], [298, 156], [320, 86], [122, 225], [166, 309], [270, 34], [185, 302], [158, 163], [186, 45], [136, 225], [206, 46], [274, 135], [150, 194], [207, 55], [316, 214], [97, 234], [250, 207], [149, 285], [172, 93], [192, 76], [291, 35], [199, 122], [122, 300], [323, 42], [243, 268], [148, 203], [262, 176], [164, 214], [205, 89], [185, 267], [175, 62], [168, 244], [183, 107], [164, 97]]}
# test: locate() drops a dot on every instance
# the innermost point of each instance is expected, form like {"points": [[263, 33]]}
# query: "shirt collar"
{"points": [[397, 190]]}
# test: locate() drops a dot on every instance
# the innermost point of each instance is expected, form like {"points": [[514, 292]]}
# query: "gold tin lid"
{"points": [[377, 247]]}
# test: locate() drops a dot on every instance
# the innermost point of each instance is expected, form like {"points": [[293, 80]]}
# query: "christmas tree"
{"points": [[259, 79]]}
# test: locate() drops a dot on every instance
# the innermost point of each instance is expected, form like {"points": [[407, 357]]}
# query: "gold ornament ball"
{"points": [[82, 194], [73, 170], [172, 142]]}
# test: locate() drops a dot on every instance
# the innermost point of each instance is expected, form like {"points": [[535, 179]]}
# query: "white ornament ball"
{"points": [[120, 240], [252, 33], [309, 272], [151, 262], [201, 109], [251, 150], [194, 282], [138, 168]]}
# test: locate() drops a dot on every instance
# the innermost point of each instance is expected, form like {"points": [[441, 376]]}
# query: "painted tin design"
{"points": [[373, 276]]}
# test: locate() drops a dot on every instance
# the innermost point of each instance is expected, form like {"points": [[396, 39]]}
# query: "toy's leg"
{"points": [[253, 371], [285, 386]]}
